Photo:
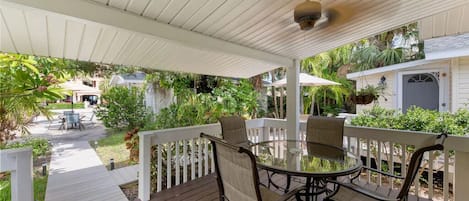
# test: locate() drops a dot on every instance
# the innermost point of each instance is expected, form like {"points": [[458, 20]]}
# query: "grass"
{"points": [[39, 182], [53, 106], [113, 146]]}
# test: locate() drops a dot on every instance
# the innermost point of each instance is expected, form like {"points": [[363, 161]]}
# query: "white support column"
{"points": [[461, 176], [144, 185], [293, 108], [20, 164]]}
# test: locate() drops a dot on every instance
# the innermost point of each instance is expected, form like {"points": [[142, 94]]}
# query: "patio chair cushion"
{"points": [[233, 129], [234, 168], [325, 130]]}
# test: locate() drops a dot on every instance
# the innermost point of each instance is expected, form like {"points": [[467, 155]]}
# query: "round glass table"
{"points": [[315, 161]]}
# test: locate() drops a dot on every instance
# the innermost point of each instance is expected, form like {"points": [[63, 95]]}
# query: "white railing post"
{"points": [[144, 185], [461, 176], [20, 164]]}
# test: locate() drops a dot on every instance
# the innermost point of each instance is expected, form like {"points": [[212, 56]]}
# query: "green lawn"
{"points": [[40, 184], [113, 146], [53, 106]]}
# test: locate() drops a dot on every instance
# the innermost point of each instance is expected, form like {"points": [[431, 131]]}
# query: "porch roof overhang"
{"points": [[231, 38]]}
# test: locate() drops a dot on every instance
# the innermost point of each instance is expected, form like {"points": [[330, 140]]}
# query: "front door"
{"points": [[421, 90]]}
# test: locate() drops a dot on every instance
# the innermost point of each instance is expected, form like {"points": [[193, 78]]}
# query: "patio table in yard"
{"points": [[317, 162], [72, 120]]}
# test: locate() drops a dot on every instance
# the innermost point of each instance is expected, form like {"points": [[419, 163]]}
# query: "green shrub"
{"points": [[124, 108], [415, 119], [40, 146]]}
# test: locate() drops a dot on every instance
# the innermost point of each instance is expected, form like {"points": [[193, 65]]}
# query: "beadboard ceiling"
{"points": [[232, 38]]}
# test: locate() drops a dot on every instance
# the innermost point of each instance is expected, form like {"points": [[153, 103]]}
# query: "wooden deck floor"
{"points": [[206, 189]]}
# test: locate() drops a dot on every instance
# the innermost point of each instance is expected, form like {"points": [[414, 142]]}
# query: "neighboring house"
{"points": [[440, 81], [80, 92], [155, 97]]}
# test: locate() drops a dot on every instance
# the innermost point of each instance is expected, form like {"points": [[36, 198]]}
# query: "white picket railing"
{"points": [[180, 155], [19, 162]]}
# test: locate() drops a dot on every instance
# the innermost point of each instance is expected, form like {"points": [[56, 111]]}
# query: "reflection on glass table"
{"points": [[317, 162]]}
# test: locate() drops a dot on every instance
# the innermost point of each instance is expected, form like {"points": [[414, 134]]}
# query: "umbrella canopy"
{"points": [[306, 80], [75, 86]]}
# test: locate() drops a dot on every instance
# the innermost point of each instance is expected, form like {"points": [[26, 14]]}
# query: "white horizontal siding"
{"points": [[463, 83], [388, 99]]}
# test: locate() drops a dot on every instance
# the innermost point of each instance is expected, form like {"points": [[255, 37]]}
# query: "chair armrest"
{"points": [[358, 190], [291, 193], [383, 173]]}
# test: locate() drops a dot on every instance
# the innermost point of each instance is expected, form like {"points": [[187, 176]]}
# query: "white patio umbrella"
{"points": [[306, 80], [78, 87]]}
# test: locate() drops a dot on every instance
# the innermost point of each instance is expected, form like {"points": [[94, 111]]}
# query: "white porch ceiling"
{"points": [[451, 22], [233, 38]]}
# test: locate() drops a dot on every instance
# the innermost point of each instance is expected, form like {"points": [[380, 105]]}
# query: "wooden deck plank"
{"points": [[77, 174], [206, 189], [124, 175]]}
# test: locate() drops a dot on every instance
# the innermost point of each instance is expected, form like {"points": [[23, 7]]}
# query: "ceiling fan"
{"points": [[310, 14]]}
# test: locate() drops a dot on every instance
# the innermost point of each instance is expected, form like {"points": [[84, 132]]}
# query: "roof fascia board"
{"points": [[95, 12], [446, 54], [391, 68]]}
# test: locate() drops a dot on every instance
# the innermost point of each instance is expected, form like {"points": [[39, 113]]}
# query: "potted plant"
{"points": [[366, 95]]}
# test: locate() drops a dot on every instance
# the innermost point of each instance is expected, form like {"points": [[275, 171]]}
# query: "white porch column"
{"points": [[461, 176], [20, 164], [144, 172], [293, 108]]}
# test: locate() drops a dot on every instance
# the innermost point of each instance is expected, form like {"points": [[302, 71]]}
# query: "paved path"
{"points": [[124, 175], [77, 174]]}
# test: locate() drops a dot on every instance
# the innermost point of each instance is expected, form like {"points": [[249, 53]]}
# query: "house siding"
{"points": [[462, 83], [388, 99]]}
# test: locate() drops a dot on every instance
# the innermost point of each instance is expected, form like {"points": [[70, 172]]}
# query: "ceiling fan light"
{"points": [[307, 13]]}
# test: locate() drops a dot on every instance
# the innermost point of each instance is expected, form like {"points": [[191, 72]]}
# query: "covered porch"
{"points": [[226, 38], [184, 157]]}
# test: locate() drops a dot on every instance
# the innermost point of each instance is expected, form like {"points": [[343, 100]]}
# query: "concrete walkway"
{"points": [[77, 174], [125, 175]]}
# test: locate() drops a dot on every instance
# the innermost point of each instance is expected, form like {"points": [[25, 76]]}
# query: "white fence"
{"points": [[19, 163], [180, 155]]}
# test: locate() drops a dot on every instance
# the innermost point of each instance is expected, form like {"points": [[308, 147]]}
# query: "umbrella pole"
{"points": [[73, 97]]}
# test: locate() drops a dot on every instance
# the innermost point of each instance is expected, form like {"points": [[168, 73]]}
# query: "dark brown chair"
{"points": [[233, 129], [325, 130], [237, 175], [353, 192]]}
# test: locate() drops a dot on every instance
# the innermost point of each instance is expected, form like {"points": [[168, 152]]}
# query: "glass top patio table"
{"points": [[301, 158]]}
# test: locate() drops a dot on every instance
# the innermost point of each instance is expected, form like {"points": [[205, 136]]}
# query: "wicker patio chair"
{"points": [[233, 129], [352, 192], [237, 175]]}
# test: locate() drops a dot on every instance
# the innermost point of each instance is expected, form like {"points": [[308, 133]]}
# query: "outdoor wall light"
{"points": [[382, 81]]}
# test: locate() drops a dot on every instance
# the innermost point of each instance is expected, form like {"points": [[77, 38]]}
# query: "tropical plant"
{"points": [[27, 82], [325, 65]]}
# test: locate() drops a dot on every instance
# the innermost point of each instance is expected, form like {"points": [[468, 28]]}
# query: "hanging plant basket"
{"points": [[364, 99]]}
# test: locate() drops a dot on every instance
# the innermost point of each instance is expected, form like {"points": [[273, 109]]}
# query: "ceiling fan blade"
{"points": [[335, 15]]}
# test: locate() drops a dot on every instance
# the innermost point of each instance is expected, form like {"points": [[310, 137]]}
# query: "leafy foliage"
{"points": [[124, 108], [204, 108], [416, 119], [40, 146], [26, 82]]}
